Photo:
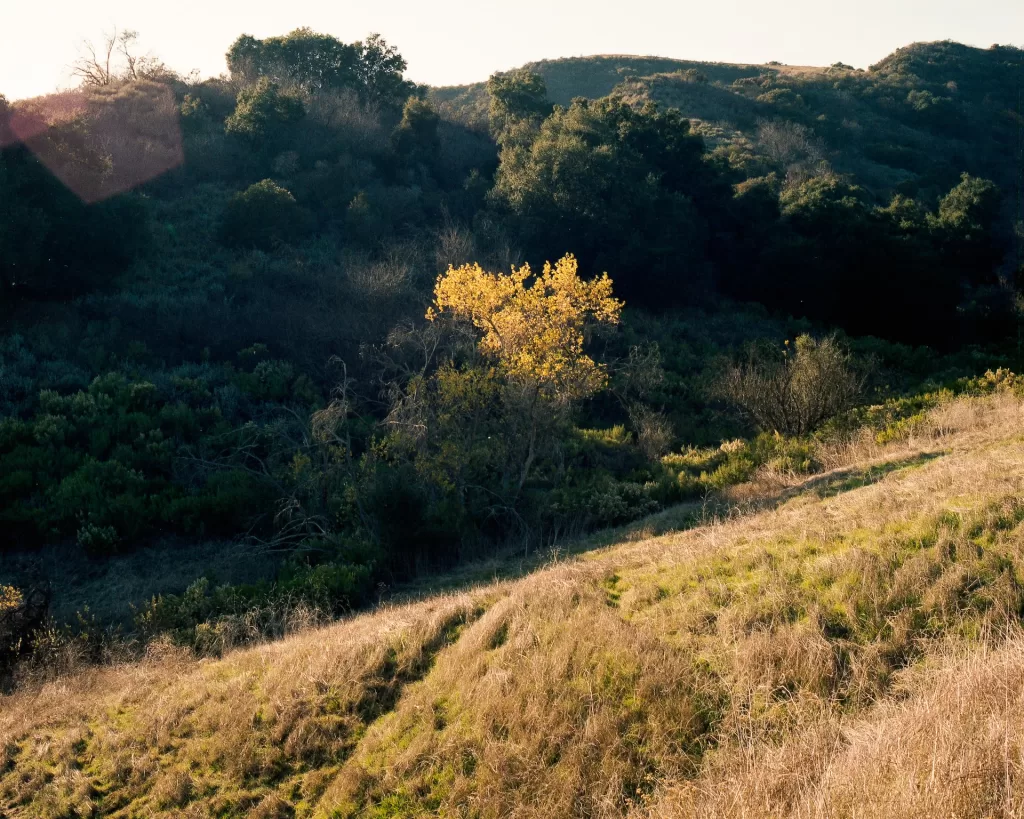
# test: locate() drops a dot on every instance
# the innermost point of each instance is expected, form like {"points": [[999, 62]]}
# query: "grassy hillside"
{"points": [[850, 641]]}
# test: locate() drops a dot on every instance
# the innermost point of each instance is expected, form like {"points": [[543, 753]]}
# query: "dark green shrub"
{"points": [[231, 499], [270, 380], [263, 216], [416, 135], [601, 501], [98, 540], [102, 494]]}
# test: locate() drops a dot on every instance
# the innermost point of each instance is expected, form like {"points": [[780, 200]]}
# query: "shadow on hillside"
{"points": [[843, 480], [830, 484], [675, 519], [107, 588]]}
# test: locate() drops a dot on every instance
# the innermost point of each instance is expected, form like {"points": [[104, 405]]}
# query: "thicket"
{"points": [[796, 389], [216, 296]]}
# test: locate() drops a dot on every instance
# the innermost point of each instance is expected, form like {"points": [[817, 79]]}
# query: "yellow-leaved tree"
{"points": [[533, 327]]}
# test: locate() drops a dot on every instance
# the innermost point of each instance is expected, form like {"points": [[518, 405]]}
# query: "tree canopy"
{"points": [[627, 189], [533, 326], [263, 113], [263, 216], [320, 62], [518, 98]]}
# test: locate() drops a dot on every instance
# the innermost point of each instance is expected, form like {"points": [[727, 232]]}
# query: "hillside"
{"points": [[598, 75], [368, 453], [848, 643], [592, 77], [910, 123]]}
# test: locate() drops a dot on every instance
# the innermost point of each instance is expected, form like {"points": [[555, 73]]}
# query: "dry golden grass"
{"points": [[171, 732], [848, 646], [797, 70], [947, 743]]}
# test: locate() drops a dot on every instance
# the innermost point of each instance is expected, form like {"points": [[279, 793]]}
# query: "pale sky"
{"points": [[458, 41]]}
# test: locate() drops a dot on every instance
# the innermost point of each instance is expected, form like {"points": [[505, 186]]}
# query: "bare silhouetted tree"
{"points": [[116, 58], [796, 389]]}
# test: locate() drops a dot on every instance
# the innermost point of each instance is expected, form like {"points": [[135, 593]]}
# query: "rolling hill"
{"points": [[846, 642], [910, 123]]}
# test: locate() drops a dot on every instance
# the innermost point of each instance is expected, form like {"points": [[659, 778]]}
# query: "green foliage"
{"points": [[263, 114], [193, 108], [99, 465], [98, 540], [599, 502], [211, 618], [966, 223], [320, 62], [126, 416], [416, 135], [270, 380], [898, 271], [263, 216], [971, 206], [518, 101], [225, 506], [107, 495], [910, 126], [627, 185]]}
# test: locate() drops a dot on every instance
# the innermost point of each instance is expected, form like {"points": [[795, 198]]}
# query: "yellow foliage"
{"points": [[533, 326], [10, 598]]}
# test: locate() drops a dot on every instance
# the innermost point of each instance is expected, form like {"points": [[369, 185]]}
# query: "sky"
{"points": [[450, 42]]}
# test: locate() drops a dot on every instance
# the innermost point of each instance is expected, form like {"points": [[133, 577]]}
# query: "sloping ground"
{"points": [[851, 648], [945, 744], [595, 76], [910, 124], [592, 77]]}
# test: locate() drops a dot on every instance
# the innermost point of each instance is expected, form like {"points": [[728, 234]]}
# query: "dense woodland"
{"points": [[304, 307]]}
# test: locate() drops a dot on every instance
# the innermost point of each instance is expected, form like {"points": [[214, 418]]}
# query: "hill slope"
{"points": [[594, 77], [852, 640], [911, 123]]}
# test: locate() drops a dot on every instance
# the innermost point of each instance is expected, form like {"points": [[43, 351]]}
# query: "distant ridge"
{"points": [[910, 123]]}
